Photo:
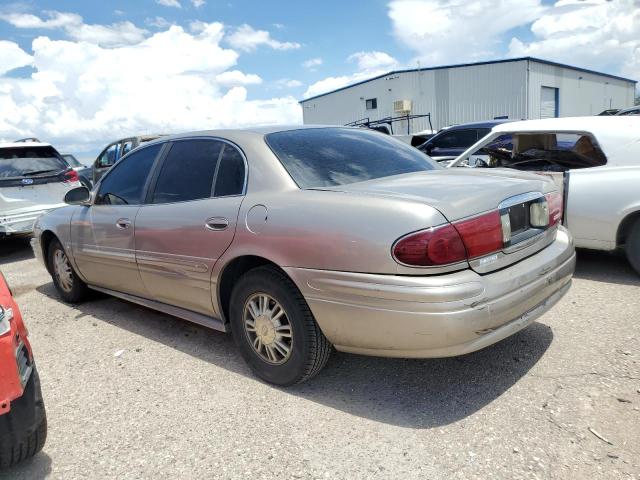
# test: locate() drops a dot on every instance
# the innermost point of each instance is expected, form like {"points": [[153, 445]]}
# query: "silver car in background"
{"points": [[34, 179], [299, 239]]}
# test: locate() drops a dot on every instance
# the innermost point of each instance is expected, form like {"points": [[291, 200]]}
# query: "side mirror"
{"points": [[78, 196]]}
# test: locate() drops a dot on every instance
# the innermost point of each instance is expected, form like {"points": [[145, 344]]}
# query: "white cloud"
{"points": [[169, 3], [452, 31], [172, 81], [235, 78], [198, 3], [370, 64], [373, 60], [312, 63], [120, 33], [158, 22], [247, 39], [595, 34], [12, 57], [288, 83]]}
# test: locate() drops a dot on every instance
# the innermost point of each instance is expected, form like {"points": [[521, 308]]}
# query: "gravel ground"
{"points": [[180, 403]]}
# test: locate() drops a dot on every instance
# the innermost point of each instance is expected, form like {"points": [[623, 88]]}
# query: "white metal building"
{"points": [[518, 88]]}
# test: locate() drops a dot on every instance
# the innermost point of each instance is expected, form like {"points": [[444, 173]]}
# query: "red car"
{"points": [[23, 420]]}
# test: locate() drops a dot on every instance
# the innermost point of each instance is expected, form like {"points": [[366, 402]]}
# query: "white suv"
{"points": [[34, 179]]}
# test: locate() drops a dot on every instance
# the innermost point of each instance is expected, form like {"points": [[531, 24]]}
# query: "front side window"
{"points": [[109, 156], [456, 139], [124, 184], [188, 171], [324, 157]]}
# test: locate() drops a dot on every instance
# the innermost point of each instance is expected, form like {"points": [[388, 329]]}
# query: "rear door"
{"points": [[189, 221], [102, 234]]}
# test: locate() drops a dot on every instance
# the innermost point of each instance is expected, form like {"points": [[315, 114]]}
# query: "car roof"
{"points": [[246, 133], [24, 144], [482, 124], [595, 124]]}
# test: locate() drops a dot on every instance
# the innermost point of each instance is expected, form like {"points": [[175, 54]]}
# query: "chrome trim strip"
{"points": [[194, 317]]}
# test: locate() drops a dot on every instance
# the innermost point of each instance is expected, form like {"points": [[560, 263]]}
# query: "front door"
{"points": [[102, 234], [189, 221]]}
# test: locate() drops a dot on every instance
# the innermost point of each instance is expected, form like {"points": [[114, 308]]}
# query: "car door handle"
{"points": [[216, 224], [123, 223]]}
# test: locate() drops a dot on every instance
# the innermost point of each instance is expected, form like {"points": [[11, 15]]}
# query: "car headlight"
{"points": [[6, 314]]}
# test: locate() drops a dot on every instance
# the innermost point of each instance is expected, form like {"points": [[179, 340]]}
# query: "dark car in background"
{"points": [[84, 173], [113, 152], [452, 141], [629, 111]]}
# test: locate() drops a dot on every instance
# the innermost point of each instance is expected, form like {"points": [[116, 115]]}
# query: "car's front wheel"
{"points": [[275, 329], [70, 287], [632, 246]]}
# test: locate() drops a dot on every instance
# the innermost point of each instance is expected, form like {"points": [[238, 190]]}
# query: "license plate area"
{"points": [[519, 229]]}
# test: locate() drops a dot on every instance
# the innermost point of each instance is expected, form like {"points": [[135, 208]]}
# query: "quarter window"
{"points": [[230, 178], [188, 171], [124, 184]]}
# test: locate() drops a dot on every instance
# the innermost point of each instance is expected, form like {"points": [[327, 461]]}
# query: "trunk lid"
{"points": [[25, 198], [456, 193]]}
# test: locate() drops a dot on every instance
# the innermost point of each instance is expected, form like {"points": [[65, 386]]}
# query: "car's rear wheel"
{"points": [[70, 287], [275, 329], [632, 246]]}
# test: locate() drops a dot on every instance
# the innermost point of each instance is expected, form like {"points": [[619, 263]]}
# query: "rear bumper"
{"points": [[440, 315], [22, 222]]}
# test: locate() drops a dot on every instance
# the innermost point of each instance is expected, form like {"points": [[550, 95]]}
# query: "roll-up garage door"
{"points": [[548, 102]]}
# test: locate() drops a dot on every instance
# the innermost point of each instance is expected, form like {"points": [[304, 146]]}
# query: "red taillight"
{"points": [[436, 246], [71, 176], [481, 235], [554, 201]]}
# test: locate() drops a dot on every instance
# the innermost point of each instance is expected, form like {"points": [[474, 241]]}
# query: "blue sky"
{"points": [[79, 72]]}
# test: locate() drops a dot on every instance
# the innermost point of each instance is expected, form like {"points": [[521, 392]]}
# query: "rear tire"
{"points": [[67, 282], [291, 349], [632, 246]]}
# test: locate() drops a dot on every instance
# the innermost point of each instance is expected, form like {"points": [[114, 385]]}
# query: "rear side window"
{"points": [[230, 178], [124, 184], [188, 171], [324, 157], [19, 162]]}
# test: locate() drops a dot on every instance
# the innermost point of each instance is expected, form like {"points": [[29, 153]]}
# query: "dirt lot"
{"points": [[180, 403]]}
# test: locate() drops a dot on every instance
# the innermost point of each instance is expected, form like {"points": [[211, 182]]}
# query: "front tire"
{"points": [[632, 247], [67, 282], [275, 329]]}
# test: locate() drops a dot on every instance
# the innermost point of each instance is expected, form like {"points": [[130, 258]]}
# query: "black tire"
{"points": [[310, 349], [24, 430], [632, 246], [78, 290]]}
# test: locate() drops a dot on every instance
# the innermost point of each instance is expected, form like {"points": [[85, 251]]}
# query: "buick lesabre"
{"points": [[303, 239]]}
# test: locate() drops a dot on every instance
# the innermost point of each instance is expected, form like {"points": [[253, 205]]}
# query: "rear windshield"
{"points": [[325, 157], [29, 161]]}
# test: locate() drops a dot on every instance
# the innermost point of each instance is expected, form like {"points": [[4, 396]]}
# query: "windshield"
{"points": [[21, 161], [325, 157]]}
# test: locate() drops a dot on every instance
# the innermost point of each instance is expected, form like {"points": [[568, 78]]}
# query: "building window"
{"points": [[372, 103]]}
